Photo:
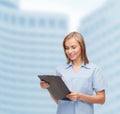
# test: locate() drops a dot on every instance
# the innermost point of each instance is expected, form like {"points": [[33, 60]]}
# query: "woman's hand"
{"points": [[44, 85], [99, 98], [73, 96]]}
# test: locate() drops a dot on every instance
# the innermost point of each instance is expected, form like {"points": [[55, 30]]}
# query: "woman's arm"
{"points": [[99, 98]]}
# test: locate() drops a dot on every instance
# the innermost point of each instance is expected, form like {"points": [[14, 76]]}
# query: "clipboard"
{"points": [[57, 88]]}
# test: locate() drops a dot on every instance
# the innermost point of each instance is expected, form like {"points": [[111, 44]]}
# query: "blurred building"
{"points": [[101, 30], [30, 44], [10, 3]]}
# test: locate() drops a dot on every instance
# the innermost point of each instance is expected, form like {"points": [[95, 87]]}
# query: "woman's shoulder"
{"points": [[61, 66], [92, 65], [60, 69]]}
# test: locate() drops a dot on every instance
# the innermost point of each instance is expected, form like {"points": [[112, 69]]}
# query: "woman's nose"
{"points": [[70, 50]]}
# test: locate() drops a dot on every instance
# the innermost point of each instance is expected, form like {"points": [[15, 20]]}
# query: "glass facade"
{"points": [[101, 30], [30, 44], [10, 3]]}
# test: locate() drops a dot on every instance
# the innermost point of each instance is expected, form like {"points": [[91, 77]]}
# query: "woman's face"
{"points": [[72, 49]]}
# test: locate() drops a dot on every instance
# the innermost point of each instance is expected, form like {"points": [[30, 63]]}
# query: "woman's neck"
{"points": [[77, 63]]}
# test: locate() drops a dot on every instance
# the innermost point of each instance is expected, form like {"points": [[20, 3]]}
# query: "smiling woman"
{"points": [[82, 77]]}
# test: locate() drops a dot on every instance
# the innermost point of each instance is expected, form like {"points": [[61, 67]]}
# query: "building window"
{"points": [[22, 21], [0, 15], [62, 24], [13, 19], [51, 23], [42, 23], [32, 22], [6, 17]]}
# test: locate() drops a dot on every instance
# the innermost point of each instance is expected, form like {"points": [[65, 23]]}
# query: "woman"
{"points": [[84, 79]]}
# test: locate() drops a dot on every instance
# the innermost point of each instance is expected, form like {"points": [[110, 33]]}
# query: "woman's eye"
{"points": [[66, 48], [73, 47]]}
